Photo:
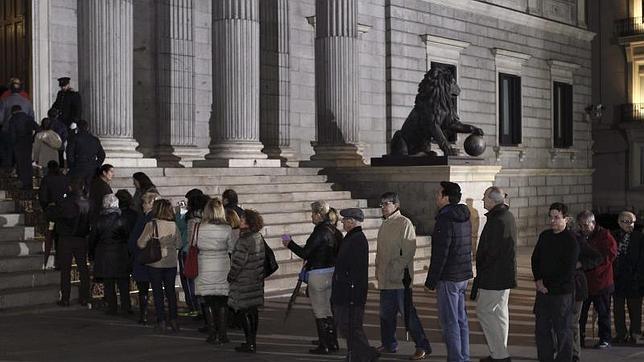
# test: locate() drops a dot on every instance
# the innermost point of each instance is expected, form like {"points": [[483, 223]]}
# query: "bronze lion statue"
{"points": [[433, 118]]}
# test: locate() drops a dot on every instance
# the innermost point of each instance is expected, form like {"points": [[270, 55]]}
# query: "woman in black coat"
{"points": [[109, 251], [142, 184]]}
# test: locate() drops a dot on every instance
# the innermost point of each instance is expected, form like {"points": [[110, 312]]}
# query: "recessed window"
{"points": [[509, 109], [562, 115]]}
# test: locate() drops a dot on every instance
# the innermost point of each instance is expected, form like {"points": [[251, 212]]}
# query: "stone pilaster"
{"points": [[274, 80], [337, 79], [105, 72], [41, 58], [175, 83], [235, 82]]}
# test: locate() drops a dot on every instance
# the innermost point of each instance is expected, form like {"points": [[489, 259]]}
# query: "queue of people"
{"points": [[572, 269]]}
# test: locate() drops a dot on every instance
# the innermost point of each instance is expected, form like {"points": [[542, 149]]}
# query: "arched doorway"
{"points": [[15, 41]]}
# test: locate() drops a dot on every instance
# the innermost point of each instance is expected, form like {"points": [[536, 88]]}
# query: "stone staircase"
{"points": [[281, 195]]}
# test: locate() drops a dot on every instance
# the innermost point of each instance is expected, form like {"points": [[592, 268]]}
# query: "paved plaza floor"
{"points": [[81, 334]]}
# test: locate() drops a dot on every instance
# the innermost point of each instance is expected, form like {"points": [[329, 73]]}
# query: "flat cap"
{"points": [[353, 213]]}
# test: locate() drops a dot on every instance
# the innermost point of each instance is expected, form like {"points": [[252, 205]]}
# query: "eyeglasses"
{"points": [[627, 222], [385, 203]]}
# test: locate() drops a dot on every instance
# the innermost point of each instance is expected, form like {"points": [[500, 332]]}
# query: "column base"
{"points": [[347, 155], [179, 156], [121, 152], [286, 155], [237, 154]]}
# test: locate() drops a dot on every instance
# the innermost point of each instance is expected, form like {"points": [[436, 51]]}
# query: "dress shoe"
{"points": [[246, 348], [63, 303], [419, 355]]}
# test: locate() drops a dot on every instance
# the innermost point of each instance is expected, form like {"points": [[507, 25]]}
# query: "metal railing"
{"points": [[630, 26], [632, 112]]}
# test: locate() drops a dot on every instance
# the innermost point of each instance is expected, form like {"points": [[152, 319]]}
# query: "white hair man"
{"points": [[496, 273]]}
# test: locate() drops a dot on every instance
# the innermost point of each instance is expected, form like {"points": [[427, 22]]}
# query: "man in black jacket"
{"points": [[85, 154], [350, 285], [496, 273], [628, 278], [72, 227], [51, 193], [21, 133], [553, 266], [451, 267]]}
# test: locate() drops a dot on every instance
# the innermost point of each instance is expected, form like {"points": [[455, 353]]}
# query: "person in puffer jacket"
{"points": [[46, 145], [214, 238], [451, 268]]}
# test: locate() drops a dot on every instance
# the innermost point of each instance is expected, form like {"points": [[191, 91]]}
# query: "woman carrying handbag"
{"points": [[164, 271]]}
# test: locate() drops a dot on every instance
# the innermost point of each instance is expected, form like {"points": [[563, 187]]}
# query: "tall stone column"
{"points": [[274, 80], [337, 97], [105, 70], [175, 83], [235, 82]]}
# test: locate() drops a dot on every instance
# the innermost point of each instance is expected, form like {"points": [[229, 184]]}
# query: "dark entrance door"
{"points": [[15, 48]]}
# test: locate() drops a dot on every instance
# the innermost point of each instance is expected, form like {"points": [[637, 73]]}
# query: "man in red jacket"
{"points": [[600, 279]]}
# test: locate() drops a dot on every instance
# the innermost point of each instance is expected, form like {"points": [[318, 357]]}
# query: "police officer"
{"points": [[85, 154], [68, 102]]}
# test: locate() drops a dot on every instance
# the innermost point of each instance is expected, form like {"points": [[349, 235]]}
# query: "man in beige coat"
{"points": [[395, 252]]}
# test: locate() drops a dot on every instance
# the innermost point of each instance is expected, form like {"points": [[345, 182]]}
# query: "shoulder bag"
{"points": [[152, 251], [191, 264]]}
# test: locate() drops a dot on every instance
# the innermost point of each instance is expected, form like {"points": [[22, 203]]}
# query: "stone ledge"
{"points": [[250, 162]]}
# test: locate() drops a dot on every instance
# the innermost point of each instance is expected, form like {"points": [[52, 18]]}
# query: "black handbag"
{"points": [[270, 263], [152, 251]]}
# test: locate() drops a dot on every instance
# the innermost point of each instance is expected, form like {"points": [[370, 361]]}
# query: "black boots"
{"points": [[217, 325], [323, 347], [249, 322], [332, 342]]}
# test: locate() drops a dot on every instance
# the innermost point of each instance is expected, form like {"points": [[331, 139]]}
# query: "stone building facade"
{"points": [[325, 83], [618, 130]]}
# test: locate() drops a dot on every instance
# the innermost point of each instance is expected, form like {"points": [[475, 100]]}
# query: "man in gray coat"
{"points": [[496, 270]]}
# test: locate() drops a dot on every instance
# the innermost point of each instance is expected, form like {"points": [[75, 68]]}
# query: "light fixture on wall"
{"points": [[594, 112]]}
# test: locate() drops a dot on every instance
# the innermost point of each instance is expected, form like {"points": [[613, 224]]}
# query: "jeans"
{"points": [[452, 316], [553, 318], [162, 279], [602, 307], [392, 302], [188, 285]]}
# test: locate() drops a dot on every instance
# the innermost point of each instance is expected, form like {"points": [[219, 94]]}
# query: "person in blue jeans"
{"points": [[395, 252], [451, 267]]}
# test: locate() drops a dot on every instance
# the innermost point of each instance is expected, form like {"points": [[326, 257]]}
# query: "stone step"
{"points": [[20, 263], [11, 219], [16, 233], [232, 171], [280, 217], [27, 297], [280, 282], [21, 248], [29, 279], [281, 197], [7, 206], [276, 230], [244, 189], [233, 181], [303, 206]]}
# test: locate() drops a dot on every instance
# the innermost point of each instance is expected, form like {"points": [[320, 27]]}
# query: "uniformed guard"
{"points": [[68, 102]]}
